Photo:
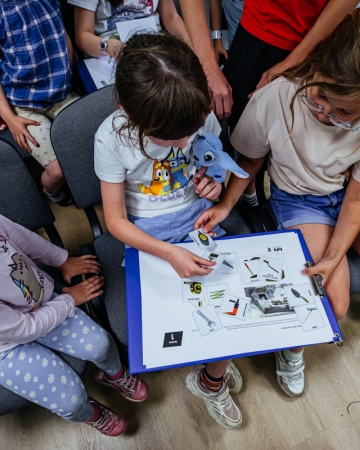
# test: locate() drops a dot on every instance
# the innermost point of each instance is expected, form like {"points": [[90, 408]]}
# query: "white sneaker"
{"points": [[290, 376], [219, 404], [233, 378]]}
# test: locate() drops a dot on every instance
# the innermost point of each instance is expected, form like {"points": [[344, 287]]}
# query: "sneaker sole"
{"points": [[211, 412], [284, 387], [111, 386]]}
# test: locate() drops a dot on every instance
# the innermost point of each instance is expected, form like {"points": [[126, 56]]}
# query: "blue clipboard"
{"points": [[134, 319], [85, 76]]}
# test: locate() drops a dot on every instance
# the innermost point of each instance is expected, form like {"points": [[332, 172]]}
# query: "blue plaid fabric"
{"points": [[34, 64]]}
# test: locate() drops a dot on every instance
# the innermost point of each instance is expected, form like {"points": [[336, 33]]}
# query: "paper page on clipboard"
{"points": [[278, 305], [128, 28], [102, 72]]}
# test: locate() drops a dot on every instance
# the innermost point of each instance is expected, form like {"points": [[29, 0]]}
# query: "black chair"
{"points": [[22, 202], [267, 217], [79, 123]]}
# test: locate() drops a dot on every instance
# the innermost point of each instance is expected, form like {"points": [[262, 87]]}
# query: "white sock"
{"points": [[292, 357], [251, 198]]}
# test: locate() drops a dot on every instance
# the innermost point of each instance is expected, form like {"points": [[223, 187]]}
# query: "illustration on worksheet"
{"points": [[299, 295], [215, 294], [228, 265], [235, 307], [268, 300], [249, 268], [193, 289], [203, 240], [217, 257], [271, 268], [207, 320], [309, 317]]}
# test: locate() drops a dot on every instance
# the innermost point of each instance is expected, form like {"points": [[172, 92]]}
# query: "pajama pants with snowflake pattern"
{"points": [[38, 374]]}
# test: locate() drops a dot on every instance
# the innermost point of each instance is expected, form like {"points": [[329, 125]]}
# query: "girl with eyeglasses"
{"points": [[307, 122]]}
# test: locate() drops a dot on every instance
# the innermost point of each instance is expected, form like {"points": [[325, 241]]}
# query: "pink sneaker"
{"points": [[110, 423], [132, 387]]}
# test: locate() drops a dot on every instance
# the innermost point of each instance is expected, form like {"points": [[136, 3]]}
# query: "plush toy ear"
{"points": [[226, 162]]}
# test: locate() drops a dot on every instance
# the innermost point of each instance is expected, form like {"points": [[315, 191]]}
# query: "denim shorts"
{"points": [[291, 210], [174, 227]]}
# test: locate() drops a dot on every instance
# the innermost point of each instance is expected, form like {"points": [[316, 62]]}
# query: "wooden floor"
{"points": [[171, 418]]}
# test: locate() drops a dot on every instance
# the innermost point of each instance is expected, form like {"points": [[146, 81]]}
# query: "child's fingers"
{"points": [[204, 262], [21, 140]]}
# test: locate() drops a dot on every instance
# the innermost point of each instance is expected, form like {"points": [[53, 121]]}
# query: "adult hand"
{"points": [[86, 290], [186, 264], [219, 50], [222, 92], [211, 217], [78, 265], [325, 267], [266, 77], [205, 186], [18, 127]]}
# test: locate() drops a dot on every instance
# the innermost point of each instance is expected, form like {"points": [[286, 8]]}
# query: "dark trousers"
{"points": [[249, 58]]}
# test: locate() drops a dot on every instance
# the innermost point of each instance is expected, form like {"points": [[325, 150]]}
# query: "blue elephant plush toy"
{"points": [[208, 152]]}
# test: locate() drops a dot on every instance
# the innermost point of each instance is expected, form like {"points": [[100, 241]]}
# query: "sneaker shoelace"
{"points": [[128, 382], [105, 421]]}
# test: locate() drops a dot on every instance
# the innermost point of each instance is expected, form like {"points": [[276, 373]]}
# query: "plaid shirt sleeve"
{"points": [[34, 68]]}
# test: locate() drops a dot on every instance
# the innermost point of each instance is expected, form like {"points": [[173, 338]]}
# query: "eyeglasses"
{"points": [[318, 108]]}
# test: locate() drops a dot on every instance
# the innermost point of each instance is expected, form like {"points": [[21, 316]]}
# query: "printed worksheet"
{"points": [[255, 300]]}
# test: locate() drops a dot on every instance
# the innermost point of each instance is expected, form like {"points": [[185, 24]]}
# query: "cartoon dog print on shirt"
{"points": [[162, 180], [178, 162], [24, 277]]}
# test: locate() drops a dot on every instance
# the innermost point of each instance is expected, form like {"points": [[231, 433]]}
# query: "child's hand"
{"points": [[78, 265], [114, 47], [211, 217], [325, 267], [18, 127], [86, 290], [187, 264], [205, 186]]}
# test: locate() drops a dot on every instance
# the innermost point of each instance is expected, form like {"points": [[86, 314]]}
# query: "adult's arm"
{"points": [[346, 232], [195, 20], [172, 21], [85, 38], [215, 7], [333, 13]]}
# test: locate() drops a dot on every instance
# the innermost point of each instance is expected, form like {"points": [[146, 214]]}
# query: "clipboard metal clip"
{"points": [[316, 281]]}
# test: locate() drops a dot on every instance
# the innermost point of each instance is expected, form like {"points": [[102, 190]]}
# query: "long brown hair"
{"points": [[336, 57], [161, 87]]}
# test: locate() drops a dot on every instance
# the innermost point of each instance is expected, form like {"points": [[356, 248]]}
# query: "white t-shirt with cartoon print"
{"points": [[155, 186], [106, 15]]}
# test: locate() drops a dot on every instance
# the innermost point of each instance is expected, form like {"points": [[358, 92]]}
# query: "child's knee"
{"points": [[54, 171], [340, 308], [76, 407]]}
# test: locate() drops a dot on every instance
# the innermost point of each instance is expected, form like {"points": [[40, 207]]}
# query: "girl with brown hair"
{"points": [[151, 192], [308, 122]]}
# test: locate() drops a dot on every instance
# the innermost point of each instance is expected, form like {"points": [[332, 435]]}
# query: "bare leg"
{"points": [[217, 369], [317, 237], [52, 178]]}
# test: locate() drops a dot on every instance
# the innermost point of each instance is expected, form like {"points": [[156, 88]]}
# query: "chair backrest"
{"points": [[20, 199], [72, 136]]}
